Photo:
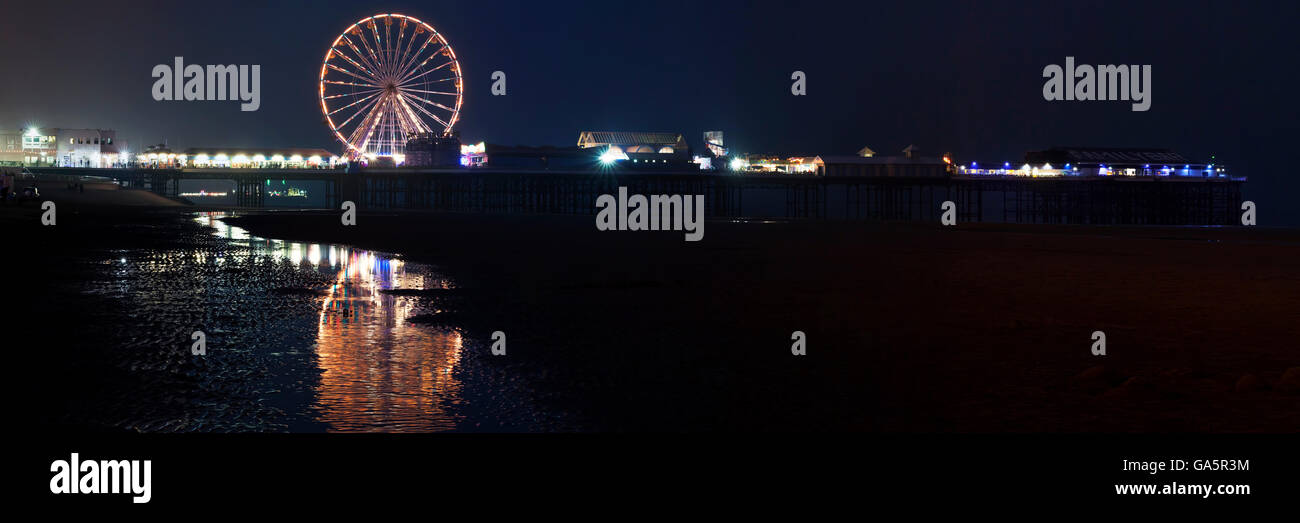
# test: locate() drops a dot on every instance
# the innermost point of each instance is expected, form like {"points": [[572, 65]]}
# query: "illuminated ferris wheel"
{"points": [[386, 77]]}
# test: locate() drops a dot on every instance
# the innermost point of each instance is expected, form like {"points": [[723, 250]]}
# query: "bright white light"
{"points": [[738, 164], [297, 158]]}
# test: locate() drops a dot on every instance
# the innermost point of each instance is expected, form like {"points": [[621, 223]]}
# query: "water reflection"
{"points": [[378, 371]]}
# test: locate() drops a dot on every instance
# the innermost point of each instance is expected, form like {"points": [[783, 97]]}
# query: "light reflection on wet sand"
{"points": [[378, 371]]}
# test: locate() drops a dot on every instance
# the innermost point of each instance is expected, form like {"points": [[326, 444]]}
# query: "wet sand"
{"points": [[910, 327]]}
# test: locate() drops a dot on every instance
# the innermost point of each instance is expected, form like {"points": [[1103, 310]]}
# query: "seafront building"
{"points": [[651, 149], [58, 147]]}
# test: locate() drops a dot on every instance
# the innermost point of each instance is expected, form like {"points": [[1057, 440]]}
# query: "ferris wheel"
{"points": [[386, 77]]}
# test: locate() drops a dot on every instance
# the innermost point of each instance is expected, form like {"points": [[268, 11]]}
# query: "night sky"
{"points": [[962, 77]]}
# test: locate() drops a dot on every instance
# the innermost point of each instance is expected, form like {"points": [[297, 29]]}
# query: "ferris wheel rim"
{"points": [[393, 93]]}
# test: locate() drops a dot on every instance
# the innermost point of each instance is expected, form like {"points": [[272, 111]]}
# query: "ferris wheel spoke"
{"points": [[415, 57], [397, 44], [430, 114], [370, 50], [353, 84], [357, 93], [358, 52], [364, 109], [416, 68], [406, 89], [387, 43], [431, 102], [366, 129], [364, 69], [387, 46], [410, 122], [413, 78], [409, 41], [414, 117], [345, 71], [379, 44]]}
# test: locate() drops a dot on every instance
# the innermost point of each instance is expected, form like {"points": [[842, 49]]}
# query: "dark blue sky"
{"points": [[963, 77]]}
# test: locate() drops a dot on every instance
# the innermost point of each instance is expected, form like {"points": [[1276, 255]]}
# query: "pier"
{"points": [[1108, 200]]}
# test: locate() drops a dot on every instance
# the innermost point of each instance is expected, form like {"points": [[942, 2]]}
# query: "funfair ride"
{"points": [[384, 78]]}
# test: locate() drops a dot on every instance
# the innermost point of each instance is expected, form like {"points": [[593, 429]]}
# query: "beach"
{"points": [[909, 327]]}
